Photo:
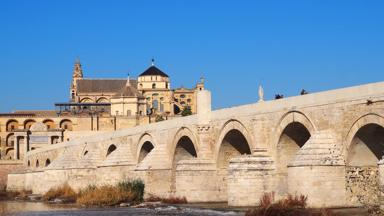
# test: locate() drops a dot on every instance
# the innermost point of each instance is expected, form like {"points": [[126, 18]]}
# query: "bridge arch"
{"points": [[364, 147], [233, 126], [184, 137], [234, 140], [145, 145], [292, 132], [184, 147], [291, 117], [370, 118]]}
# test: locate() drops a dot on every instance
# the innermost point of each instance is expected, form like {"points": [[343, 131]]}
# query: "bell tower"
{"points": [[77, 75]]}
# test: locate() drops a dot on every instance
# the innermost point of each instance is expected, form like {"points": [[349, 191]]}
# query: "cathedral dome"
{"points": [[153, 71]]}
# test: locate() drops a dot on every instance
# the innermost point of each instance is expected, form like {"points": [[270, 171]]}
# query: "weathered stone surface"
{"points": [[310, 144]]}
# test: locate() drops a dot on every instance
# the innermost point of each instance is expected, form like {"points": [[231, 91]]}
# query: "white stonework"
{"points": [[311, 143]]}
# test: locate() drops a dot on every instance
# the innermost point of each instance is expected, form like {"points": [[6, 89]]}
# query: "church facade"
{"points": [[150, 94], [95, 106]]}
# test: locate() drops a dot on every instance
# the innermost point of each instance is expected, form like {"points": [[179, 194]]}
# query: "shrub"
{"points": [[186, 111], [105, 196], [64, 192], [289, 206], [124, 191], [169, 200], [136, 186]]}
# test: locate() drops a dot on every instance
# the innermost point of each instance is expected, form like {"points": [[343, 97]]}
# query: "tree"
{"points": [[186, 111]]}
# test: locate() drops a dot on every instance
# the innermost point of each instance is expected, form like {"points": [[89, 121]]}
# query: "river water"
{"points": [[42, 209]]}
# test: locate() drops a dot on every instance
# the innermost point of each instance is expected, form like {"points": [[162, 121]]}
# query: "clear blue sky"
{"points": [[236, 45]]}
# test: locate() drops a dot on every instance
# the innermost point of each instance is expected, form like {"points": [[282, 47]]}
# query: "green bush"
{"points": [[186, 111], [136, 186]]}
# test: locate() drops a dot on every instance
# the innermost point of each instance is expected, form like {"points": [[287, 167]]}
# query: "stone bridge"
{"points": [[325, 145]]}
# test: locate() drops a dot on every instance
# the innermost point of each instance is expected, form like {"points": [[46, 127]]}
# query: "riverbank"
{"points": [[24, 208]]}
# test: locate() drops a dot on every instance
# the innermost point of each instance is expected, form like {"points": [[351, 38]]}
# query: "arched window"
{"points": [[49, 123], [12, 125], [47, 162], [111, 149], [28, 123], [37, 163], [66, 124], [10, 141], [153, 85], [155, 104]]}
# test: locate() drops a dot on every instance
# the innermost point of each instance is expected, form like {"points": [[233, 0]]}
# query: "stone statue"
{"points": [[261, 93]]}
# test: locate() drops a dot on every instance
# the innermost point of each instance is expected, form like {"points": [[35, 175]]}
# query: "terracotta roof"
{"points": [[102, 85], [128, 91], [35, 112], [154, 71]]}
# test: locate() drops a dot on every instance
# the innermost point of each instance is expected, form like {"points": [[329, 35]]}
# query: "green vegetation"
{"points": [[159, 118], [186, 111], [127, 191], [289, 206]]}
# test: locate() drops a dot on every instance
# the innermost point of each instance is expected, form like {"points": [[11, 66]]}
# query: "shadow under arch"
{"points": [[364, 147], [184, 147], [233, 141], [144, 146]]}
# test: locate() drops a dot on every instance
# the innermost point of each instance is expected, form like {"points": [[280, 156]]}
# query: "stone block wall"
{"points": [[6, 168], [362, 185], [324, 185]]}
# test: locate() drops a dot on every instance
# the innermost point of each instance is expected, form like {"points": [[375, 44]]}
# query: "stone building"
{"points": [[97, 105], [152, 84]]}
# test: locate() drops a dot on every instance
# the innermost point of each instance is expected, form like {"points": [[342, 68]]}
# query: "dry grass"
{"points": [[289, 206], [105, 196], [168, 200], [64, 192], [124, 191]]}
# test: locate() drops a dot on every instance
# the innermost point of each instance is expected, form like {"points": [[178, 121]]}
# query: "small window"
{"points": [[153, 85], [111, 149], [182, 96], [47, 162], [37, 163]]}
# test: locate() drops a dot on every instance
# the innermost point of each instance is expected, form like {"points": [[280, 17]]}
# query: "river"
{"points": [[42, 209]]}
